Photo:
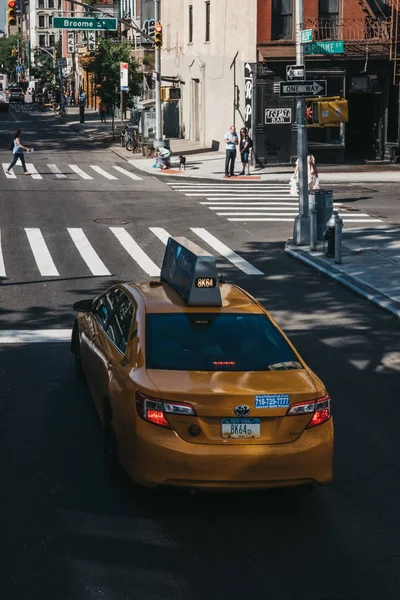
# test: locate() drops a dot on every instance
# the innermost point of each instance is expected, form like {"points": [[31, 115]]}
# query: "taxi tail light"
{"points": [[154, 410], [320, 410]]}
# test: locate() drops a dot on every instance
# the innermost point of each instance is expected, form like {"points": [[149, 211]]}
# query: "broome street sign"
{"points": [[84, 23], [304, 89]]}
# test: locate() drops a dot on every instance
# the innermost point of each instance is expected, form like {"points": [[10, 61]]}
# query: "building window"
{"points": [[207, 22], [41, 21], [328, 12], [41, 4], [42, 41], [51, 41], [282, 19], [51, 3], [50, 20], [190, 24]]}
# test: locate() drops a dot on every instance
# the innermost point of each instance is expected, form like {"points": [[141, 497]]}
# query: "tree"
{"points": [[8, 62], [104, 64], [45, 70]]}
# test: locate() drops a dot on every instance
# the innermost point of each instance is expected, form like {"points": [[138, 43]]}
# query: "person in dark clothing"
{"points": [[244, 146], [231, 139]]}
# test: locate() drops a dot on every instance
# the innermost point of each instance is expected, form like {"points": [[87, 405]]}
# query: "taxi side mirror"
{"points": [[83, 305]]}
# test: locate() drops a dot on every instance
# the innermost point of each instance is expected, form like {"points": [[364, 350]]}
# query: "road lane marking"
{"points": [[102, 172], [2, 266], [135, 251], [12, 175], [229, 254], [32, 170], [161, 233], [128, 173], [56, 171], [34, 336], [255, 195], [79, 172], [88, 253], [41, 253]]}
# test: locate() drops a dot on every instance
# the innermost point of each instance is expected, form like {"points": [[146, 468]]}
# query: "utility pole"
{"points": [[301, 230], [157, 65]]}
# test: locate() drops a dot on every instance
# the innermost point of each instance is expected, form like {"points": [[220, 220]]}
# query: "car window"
{"points": [[106, 304], [216, 342], [119, 326]]}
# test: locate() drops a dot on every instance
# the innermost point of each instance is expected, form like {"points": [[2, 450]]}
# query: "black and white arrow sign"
{"points": [[295, 73], [304, 89]]}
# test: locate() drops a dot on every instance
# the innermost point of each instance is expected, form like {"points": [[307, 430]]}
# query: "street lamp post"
{"points": [[157, 65], [301, 229]]}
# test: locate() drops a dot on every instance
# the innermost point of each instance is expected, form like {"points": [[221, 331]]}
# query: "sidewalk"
{"points": [[205, 163], [370, 264]]}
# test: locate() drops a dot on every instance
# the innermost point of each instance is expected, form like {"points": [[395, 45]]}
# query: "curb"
{"points": [[352, 283]]}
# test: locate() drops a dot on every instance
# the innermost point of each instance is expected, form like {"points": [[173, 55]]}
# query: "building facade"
{"points": [[363, 72], [206, 46]]}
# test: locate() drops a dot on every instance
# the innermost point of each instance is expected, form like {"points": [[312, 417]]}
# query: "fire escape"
{"points": [[376, 34]]}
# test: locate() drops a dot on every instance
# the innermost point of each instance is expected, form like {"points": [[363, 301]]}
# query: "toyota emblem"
{"points": [[242, 410]]}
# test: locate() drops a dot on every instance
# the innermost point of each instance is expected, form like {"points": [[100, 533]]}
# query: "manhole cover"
{"points": [[111, 221]]}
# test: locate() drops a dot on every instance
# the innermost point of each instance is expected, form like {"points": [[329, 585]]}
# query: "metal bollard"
{"points": [[313, 229], [338, 239]]}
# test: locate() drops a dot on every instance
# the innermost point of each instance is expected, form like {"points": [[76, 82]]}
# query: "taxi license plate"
{"points": [[240, 428]]}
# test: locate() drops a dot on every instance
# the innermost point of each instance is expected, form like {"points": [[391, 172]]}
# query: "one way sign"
{"points": [[303, 89], [295, 73]]}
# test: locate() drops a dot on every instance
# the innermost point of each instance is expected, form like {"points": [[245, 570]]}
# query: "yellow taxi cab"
{"points": [[197, 386]]}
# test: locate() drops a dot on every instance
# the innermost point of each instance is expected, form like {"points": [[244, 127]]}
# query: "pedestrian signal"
{"points": [[158, 41], [326, 112], [12, 12]]}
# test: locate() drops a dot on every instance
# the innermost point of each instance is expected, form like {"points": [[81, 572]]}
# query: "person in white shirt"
{"points": [[231, 139]]}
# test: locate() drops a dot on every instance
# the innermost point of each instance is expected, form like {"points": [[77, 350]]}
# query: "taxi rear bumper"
{"points": [[166, 459]]}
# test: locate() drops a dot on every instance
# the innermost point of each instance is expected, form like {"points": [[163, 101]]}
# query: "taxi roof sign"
{"points": [[192, 272]]}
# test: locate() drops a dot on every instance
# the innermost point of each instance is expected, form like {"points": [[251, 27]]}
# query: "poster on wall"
{"points": [[278, 116], [248, 97]]}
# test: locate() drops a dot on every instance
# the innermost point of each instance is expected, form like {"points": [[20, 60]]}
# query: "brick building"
{"points": [[364, 74]]}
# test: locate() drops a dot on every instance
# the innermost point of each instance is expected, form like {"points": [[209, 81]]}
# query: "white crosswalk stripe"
{"points": [[79, 172], [88, 253], [41, 253], [11, 174], [102, 172], [80, 240], [127, 173], [135, 251], [56, 171], [257, 202], [32, 170], [234, 258]]}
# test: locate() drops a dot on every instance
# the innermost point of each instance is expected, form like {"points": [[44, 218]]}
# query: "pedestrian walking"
{"points": [[18, 153], [102, 110], [245, 145], [82, 101], [231, 139]]}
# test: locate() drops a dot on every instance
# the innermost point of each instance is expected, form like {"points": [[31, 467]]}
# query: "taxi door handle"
{"points": [[93, 337], [109, 365]]}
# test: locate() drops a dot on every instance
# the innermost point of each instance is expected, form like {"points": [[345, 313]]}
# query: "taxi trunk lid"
{"points": [[215, 396]]}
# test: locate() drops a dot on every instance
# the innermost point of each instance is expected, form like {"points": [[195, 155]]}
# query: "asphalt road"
{"points": [[67, 532]]}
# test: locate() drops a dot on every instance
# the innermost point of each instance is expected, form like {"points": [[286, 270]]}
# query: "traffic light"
{"points": [[174, 93], [12, 12], [14, 52], [158, 35], [55, 53]]}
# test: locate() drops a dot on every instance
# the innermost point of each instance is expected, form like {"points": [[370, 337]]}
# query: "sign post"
{"points": [[301, 228], [124, 87]]}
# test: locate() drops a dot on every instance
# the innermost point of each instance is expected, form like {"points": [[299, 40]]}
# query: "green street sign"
{"points": [[306, 35], [84, 23], [336, 47]]}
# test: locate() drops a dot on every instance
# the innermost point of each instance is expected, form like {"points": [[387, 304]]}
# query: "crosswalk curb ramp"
{"points": [[258, 202], [86, 172], [81, 248]]}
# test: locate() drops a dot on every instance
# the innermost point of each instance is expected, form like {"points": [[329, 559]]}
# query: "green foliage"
{"points": [[104, 64], [44, 70], [9, 61]]}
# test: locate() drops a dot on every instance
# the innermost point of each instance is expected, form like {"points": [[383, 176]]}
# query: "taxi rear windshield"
{"points": [[210, 342]]}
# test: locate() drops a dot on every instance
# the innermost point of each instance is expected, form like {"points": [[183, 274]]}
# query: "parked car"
{"points": [[16, 94]]}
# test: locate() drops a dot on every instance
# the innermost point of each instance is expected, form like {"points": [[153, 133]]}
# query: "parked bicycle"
{"points": [[131, 139]]}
